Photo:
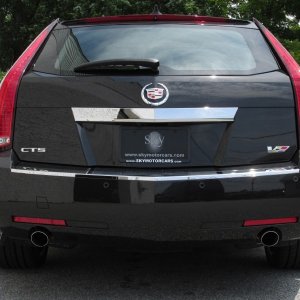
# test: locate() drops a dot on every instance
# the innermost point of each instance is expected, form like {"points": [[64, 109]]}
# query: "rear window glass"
{"points": [[180, 49]]}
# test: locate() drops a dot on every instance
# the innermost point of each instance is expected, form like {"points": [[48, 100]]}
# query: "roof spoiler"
{"points": [[155, 17]]}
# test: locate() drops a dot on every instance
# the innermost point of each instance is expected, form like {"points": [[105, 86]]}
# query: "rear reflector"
{"points": [[270, 221], [9, 88], [287, 60], [41, 221]]}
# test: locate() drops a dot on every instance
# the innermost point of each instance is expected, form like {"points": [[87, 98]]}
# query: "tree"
{"points": [[274, 14]]}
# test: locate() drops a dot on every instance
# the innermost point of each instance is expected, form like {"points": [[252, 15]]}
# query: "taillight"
{"points": [[9, 88], [287, 60]]}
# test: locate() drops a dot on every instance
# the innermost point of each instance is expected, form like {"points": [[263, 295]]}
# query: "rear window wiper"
{"points": [[151, 64]]}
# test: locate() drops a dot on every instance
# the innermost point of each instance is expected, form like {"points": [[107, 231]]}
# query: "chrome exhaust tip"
{"points": [[270, 237], [39, 238]]}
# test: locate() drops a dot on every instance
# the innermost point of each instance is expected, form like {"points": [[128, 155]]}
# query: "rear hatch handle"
{"points": [[155, 115]]}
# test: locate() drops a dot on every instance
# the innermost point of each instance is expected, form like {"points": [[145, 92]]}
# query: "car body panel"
{"points": [[244, 167], [184, 210], [44, 120]]}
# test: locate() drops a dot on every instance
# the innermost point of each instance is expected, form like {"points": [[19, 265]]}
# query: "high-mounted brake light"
{"points": [[287, 61], [9, 87], [156, 17]]}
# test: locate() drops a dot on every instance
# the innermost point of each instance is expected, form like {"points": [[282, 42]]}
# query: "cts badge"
{"points": [[277, 149], [155, 94], [32, 150]]}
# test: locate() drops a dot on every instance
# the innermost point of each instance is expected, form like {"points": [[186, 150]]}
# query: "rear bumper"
{"points": [[186, 206]]}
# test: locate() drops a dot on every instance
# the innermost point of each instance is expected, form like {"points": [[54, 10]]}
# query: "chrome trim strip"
{"points": [[202, 176], [45, 173], [155, 115]]}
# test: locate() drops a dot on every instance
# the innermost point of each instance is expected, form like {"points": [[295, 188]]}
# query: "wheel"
{"points": [[15, 254], [287, 256]]}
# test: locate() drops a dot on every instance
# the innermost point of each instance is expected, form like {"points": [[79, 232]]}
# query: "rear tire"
{"points": [[17, 254], [284, 257]]}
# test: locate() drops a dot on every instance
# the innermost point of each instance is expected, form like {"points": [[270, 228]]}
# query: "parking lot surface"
{"points": [[87, 272]]}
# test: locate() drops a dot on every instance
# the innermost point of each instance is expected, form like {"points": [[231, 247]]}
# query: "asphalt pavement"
{"points": [[87, 272]]}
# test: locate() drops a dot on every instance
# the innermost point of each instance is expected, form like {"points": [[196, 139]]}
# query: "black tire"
{"points": [[284, 257], [15, 254]]}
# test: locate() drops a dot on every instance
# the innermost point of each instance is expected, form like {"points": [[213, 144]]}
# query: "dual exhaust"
{"points": [[268, 237]]}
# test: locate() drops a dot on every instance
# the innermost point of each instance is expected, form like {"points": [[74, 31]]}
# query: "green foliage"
{"points": [[293, 47], [272, 13], [1, 74], [22, 20]]}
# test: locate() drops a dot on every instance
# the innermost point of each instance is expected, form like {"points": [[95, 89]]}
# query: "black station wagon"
{"points": [[150, 128]]}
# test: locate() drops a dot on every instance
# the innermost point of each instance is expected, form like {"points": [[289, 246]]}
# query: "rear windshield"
{"points": [[180, 49]]}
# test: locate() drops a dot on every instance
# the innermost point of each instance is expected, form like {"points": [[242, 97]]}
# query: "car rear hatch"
{"points": [[219, 98]]}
